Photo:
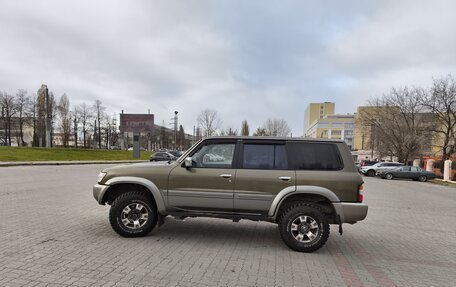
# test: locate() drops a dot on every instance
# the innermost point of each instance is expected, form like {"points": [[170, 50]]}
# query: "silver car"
{"points": [[372, 170]]}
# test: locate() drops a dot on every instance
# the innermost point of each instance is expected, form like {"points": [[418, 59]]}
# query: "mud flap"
{"points": [[340, 225]]}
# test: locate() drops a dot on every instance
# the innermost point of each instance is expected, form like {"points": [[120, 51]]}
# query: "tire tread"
{"points": [[283, 227]]}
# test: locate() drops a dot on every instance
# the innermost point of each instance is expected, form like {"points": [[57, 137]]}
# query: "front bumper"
{"points": [[351, 212], [99, 191]]}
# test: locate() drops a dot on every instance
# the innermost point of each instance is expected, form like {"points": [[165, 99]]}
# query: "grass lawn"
{"points": [[64, 154]]}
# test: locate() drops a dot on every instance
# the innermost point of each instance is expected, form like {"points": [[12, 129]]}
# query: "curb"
{"points": [[40, 163]]}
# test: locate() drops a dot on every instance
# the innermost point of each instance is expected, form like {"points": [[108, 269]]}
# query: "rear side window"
{"points": [[264, 156], [315, 156]]}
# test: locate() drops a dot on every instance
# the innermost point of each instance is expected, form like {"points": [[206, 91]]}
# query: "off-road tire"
{"points": [[292, 213], [126, 199], [389, 176], [422, 178], [370, 172]]}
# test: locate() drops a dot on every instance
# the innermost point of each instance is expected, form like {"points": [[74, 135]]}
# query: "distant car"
{"points": [[367, 162], [175, 153], [410, 172], [162, 156], [141, 149], [372, 170]]}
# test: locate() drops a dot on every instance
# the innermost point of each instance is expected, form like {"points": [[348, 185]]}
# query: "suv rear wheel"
{"points": [[132, 214], [303, 227]]}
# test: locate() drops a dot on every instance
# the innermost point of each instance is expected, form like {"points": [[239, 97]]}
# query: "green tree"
{"points": [[181, 137], [245, 128]]}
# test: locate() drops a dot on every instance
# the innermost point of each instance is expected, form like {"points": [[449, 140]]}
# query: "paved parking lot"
{"points": [[53, 233]]}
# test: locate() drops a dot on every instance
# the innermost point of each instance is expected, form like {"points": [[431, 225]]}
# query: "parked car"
{"points": [[288, 181], [365, 162], [162, 156], [371, 170], [141, 149], [410, 172], [176, 153]]}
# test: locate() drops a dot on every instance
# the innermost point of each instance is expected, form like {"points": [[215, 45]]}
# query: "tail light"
{"points": [[360, 193]]}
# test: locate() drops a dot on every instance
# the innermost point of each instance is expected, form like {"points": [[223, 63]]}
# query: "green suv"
{"points": [[303, 185]]}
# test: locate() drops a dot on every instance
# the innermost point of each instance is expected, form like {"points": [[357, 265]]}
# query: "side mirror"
{"points": [[188, 162]]}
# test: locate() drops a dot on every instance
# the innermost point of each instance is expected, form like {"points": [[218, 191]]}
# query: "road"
{"points": [[53, 233]]}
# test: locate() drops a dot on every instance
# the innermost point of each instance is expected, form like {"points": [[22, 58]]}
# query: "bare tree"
{"points": [[65, 119], [99, 110], [41, 118], [229, 132], [440, 101], [260, 132], [4, 126], [277, 127], [85, 116], [76, 115], [209, 121], [245, 128], [22, 106], [53, 110], [397, 124], [33, 107], [8, 112]]}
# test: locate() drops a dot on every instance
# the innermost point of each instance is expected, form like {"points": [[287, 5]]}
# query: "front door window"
{"points": [[214, 156]]}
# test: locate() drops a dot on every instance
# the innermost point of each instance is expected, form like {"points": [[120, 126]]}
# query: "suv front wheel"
{"points": [[132, 214], [303, 227]]}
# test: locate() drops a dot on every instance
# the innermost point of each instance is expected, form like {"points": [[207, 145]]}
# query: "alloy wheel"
{"points": [[304, 228], [134, 216]]}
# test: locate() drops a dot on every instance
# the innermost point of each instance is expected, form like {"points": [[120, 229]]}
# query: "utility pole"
{"points": [[75, 127], [48, 116], [95, 135], [175, 130]]}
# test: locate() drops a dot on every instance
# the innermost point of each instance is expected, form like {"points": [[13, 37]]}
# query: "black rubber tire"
{"points": [[422, 178], [128, 198], [389, 176], [298, 209], [370, 172]]}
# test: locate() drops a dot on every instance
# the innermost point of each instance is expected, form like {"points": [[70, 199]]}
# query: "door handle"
{"points": [[225, 175], [285, 178]]}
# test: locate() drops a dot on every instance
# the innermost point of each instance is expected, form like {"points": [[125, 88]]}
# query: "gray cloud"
{"points": [[247, 59]]}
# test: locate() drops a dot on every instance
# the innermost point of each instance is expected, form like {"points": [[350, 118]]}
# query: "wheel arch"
{"points": [[146, 185], [316, 194]]}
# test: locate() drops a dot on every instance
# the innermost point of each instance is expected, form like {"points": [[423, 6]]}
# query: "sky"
{"points": [[248, 60]]}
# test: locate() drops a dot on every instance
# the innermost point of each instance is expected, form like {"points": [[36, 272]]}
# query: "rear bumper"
{"points": [[99, 191], [350, 212]]}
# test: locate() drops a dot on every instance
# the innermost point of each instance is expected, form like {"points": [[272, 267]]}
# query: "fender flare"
{"points": [[301, 189], [149, 185]]}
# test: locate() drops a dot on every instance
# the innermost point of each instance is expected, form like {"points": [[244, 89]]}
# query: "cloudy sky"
{"points": [[246, 59]]}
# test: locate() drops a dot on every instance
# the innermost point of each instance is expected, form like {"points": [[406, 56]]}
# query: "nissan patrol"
{"points": [[303, 185]]}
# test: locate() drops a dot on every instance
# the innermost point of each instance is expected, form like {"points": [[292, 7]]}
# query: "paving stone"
{"points": [[53, 233]]}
